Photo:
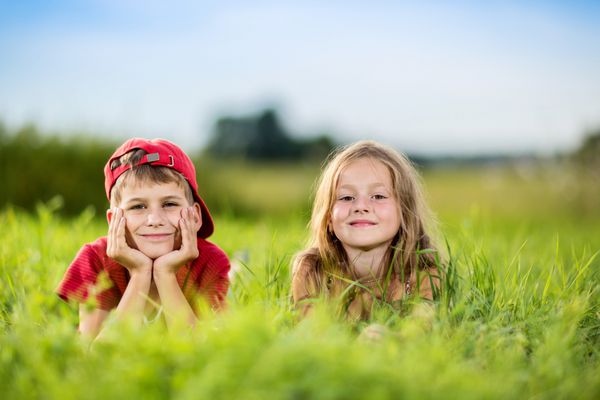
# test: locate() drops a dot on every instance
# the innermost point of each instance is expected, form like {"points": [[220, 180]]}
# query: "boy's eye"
{"points": [[170, 204], [137, 207]]}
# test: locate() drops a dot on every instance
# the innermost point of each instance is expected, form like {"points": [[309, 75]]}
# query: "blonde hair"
{"points": [[411, 248], [145, 173]]}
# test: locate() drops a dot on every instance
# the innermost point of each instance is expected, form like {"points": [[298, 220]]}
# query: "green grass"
{"points": [[519, 318]]}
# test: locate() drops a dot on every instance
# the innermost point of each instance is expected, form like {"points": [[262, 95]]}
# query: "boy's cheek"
{"points": [[129, 239], [177, 243]]}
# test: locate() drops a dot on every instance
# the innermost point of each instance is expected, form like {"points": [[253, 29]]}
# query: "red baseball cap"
{"points": [[160, 152]]}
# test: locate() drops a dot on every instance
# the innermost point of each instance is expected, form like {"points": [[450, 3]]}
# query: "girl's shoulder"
{"points": [[304, 275], [305, 261]]}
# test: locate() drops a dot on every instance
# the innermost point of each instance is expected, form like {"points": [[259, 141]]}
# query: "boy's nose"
{"points": [[156, 217]]}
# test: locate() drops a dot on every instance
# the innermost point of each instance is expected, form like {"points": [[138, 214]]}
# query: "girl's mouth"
{"points": [[362, 223]]}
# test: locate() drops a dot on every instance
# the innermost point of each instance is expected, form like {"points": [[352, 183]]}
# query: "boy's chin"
{"points": [[156, 251]]}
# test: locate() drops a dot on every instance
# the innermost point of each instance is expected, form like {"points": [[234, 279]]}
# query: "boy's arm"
{"points": [[131, 307], [90, 321], [175, 305], [132, 303]]}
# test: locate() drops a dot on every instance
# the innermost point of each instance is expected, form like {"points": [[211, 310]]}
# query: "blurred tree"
{"points": [[585, 196], [36, 167], [263, 137], [317, 148], [3, 132], [588, 154], [270, 141]]}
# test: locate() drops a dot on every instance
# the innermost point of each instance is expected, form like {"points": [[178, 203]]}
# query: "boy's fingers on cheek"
{"points": [[121, 230], [185, 233], [114, 222], [183, 225], [111, 223]]}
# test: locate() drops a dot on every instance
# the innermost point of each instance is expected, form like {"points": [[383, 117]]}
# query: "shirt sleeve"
{"points": [[86, 276], [213, 280]]}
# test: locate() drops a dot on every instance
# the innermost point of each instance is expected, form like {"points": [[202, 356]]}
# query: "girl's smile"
{"points": [[362, 223]]}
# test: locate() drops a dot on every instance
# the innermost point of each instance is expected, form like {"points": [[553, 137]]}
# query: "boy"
{"points": [[155, 251]]}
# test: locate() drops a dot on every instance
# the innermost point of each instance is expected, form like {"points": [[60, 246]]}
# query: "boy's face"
{"points": [[153, 211]]}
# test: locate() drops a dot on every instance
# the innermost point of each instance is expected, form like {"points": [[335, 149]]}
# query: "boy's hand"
{"points": [[118, 249], [171, 262]]}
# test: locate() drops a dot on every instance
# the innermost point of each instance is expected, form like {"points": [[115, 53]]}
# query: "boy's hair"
{"points": [[154, 160], [404, 255], [145, 173]]}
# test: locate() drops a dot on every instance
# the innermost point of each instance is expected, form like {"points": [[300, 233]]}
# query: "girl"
{"points": [[368, 239]]}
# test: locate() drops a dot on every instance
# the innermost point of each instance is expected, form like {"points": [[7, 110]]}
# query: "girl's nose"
{"points": [[361, 204]]}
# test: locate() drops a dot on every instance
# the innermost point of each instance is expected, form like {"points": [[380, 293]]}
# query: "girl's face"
{"points": [[153, 211], [365, 215]]}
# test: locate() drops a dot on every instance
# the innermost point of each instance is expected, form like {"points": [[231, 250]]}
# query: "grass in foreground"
{"points": [[520, 317]]}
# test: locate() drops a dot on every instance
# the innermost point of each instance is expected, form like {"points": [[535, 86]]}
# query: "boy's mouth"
{"points": [[157, 236]]}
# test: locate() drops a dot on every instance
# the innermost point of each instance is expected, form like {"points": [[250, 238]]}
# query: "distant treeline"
{"points": [[263, 137], [37, 167]]}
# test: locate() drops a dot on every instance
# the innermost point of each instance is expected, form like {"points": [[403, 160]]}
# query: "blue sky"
{"points": [[428, 77]]}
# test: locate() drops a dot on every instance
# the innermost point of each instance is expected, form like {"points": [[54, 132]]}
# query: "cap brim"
{"points": [[208, 226]]}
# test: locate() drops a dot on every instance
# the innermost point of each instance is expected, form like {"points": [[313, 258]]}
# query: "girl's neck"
{"points": [[367, 264]]}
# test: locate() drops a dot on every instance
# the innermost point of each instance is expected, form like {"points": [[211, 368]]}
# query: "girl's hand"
{"points": [[118, 249], [373, 333], [171, 262]]}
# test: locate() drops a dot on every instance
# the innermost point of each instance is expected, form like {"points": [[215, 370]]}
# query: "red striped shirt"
{"points": [[92, 272]]}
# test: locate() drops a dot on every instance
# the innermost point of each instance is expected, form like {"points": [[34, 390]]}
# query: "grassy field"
{"points": [[519, 318]]}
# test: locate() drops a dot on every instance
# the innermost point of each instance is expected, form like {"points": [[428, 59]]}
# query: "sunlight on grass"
{"points": [[519, 315]]}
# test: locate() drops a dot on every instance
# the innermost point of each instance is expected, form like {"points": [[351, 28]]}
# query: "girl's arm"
{"points": [[303, 287], [425, 281]]}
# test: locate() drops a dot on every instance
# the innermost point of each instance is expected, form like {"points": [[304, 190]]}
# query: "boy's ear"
{"points": [[109, 215], [198, 219]]}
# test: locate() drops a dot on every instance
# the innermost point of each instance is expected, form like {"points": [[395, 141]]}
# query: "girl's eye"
{"points": [[346, 198], [379, 197]]}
